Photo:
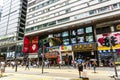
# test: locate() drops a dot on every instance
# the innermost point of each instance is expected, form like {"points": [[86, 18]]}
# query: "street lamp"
{"points": [[112, 42]]}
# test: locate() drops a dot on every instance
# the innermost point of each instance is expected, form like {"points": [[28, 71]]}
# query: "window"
{"points": [[80, 31], [66, 41], [63, 20], [92, 12], [80, 39], [45, 25], [68, 10], [103, 30], [65, 33], [52, 23], [103, 9], [89, 38], [114, 6], [88, 29], [57, 35], [73, 32], [73, 40]]}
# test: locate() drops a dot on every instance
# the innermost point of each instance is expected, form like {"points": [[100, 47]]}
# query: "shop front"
{"points": [[66, 54], [105, 53], [52, 55], [85, 51]]}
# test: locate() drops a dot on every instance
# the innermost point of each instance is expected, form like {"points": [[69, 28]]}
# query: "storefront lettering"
{"points": [[118, 27], [83, 47]]}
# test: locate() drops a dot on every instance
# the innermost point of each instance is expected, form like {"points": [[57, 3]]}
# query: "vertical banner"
{"points": [[26, 45], [34, 45]]}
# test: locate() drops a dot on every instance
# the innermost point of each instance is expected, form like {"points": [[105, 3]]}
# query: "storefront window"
{"points": [[73, 40], [80, 39], [73, 32], [80, 31], [88, 29], [64, 34], [57, 35], [89, 38], [66, 41]]}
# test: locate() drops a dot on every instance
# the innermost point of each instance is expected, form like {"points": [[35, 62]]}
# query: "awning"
{"points": [[33, 56]]}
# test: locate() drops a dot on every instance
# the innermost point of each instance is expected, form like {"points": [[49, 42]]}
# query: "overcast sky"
{"points": [[1, 2]]}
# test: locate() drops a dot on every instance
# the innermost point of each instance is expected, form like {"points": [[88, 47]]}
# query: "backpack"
{"points": [[80, 66]]}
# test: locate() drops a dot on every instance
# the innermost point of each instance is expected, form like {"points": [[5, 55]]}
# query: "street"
{"points": [[54, 73]]}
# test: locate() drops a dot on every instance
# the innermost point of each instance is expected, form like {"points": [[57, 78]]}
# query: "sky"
{"points": [[1, 2]]}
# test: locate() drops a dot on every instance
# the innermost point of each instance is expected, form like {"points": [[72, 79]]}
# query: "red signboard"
{"points": [[34, 48], [26, 45]]}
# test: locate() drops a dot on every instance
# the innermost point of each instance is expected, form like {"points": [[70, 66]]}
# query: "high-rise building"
{"points": [[0, 11], [76, 22], [12, 24]]}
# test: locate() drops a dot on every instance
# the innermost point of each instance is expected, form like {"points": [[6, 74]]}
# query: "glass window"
{"points": [[73, 32], [103, 9], [114, 6], [88, 29], [64, 20], [52, 23], [92, 12], [80, 39], [65, 41], [45, 25], [64, 34], [57, 35], [80, 31], [89, 38], [73, 40]]}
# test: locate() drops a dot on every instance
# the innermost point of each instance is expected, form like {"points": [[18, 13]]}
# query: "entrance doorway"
{"points": [[85, 55]]}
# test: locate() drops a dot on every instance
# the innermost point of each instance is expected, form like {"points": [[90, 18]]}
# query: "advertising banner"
{"points": [[26, 45], [66, 48], [101, 42]]}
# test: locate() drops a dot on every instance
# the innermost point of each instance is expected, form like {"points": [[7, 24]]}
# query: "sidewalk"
{"points": [[56, 74]]}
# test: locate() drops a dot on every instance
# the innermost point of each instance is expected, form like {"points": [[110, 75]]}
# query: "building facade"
{"points": [[78, 23], [12, 25], [0, 11]]}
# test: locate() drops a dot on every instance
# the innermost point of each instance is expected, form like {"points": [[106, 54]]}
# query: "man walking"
{"points": [[27, 65]]}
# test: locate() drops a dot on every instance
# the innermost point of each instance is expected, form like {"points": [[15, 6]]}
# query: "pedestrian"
{"points": [[13, 64], [27, 65], [80, 69], [94, 66], [2, 68]]}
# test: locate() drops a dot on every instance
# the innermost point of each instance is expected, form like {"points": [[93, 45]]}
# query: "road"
{"points": [[54, 73]]}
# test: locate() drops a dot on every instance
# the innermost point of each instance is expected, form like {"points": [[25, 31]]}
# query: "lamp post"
{"points": [[43, 60], [16, 58], [112, 43]]}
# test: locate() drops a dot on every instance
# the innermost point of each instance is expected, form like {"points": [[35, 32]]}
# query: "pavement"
{"points": [[54, 73]]}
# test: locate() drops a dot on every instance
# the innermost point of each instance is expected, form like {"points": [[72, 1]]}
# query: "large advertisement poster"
{"points": [[26, 45], [101, 37], [34, 45]]}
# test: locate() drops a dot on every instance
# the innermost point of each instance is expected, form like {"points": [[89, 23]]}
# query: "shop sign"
{"points": [[34, 48], [66, 48], [101, 37], [53, 54], [84, 47], [55, 48], [118, 27]]}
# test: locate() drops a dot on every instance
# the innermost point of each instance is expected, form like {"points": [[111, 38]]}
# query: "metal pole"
{"points": [[43, 60], [113, 56], [16, 58], [38, 60]]}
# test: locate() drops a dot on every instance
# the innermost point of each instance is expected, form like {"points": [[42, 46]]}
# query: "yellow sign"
{"points": [[108, 48], [118, 27]]}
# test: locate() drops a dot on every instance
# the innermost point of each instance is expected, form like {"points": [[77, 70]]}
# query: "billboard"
{"points": [[101, 37]]}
